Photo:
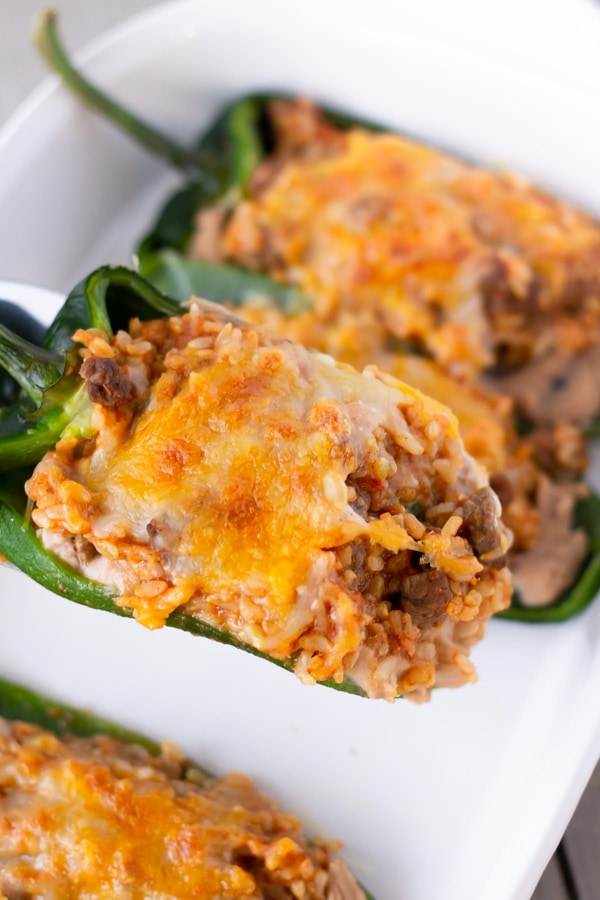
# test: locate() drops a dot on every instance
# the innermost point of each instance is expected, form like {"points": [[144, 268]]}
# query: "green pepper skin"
{"points": [[25, 326], [593, 429], [237, 141], [20, 545], [52, 400], [24, 436], [108, 299], [32, 367], [49, 46], [579, 596], [240, 138], [26, 370], [218, 169], [183, 278], [90, 304], [21, 322], [19, 704], [224, 157], [106, 294]]}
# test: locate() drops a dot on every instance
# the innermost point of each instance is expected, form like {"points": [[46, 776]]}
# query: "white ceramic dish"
{"points": [[463, 799]]}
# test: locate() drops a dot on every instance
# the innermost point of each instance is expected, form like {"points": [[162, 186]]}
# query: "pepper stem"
{"points": [[49, 45]]}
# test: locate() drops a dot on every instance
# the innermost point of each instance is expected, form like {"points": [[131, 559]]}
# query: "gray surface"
{"points": [[551, 886], [20, 72], [582, 841]]}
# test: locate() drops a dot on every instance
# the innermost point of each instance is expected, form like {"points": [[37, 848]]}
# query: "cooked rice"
{"points": [[314, 512], [99, 818], [471, 285]]}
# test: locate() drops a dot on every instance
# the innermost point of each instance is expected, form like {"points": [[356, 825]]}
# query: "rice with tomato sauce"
{"points": [[100, 818], [318, 514]]}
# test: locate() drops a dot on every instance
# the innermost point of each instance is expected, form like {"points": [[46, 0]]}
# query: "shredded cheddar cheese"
{"points": [[266, 489], [471, 284], [95, 819]]}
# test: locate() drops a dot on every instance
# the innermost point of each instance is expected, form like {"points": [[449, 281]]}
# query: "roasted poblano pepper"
{"points": [[579, 596], [19, 704], [235, 503], [53, 399], [20, 545], [57, 405], [25, 326], [217, 170]]}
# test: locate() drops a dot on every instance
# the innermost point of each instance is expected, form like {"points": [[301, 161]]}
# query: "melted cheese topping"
{"points": [[94, 818], [359, 226], [265, 489], [399, 243], [243, 471], [413, 243]]}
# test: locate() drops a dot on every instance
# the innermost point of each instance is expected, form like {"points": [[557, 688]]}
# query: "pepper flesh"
{"points": [[98, 778]]}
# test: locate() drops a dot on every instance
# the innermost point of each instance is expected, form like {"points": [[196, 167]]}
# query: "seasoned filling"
{"points": [[476, 268], [314, 512], [99, 818], [473, 286]]}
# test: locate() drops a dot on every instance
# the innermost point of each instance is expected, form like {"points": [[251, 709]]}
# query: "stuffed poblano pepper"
{"points": [[89, 809], [472, 285], [202, 472]]}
